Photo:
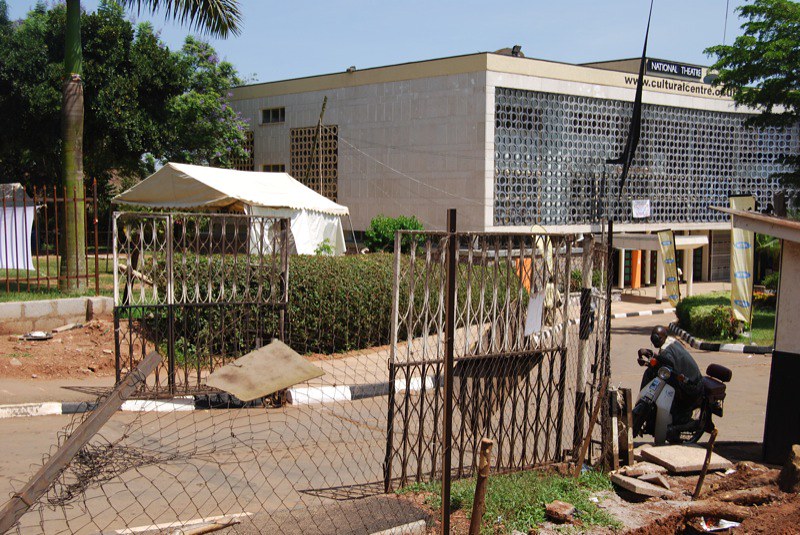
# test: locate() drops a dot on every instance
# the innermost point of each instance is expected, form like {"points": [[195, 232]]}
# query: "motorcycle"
{"points": [[652, 416]]}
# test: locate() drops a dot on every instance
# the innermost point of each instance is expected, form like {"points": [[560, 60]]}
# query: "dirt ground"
{"points": [[775, 512], [79, 353]]}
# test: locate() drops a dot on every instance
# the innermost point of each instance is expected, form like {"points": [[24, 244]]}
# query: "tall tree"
{"points": [[761, 69], [216, 17]]}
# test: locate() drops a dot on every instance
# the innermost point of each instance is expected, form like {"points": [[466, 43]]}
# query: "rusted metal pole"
{"points": [[709, 451], [96, 241], [449, 349], [479, 501], [41, 481]]}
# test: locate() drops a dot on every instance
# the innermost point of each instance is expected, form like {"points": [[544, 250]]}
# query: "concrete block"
{"points": [[19, 326], [99, 306], [38, 309], [10, 311], [559, 511], [683, 459], [637, 486], [71, 307]]}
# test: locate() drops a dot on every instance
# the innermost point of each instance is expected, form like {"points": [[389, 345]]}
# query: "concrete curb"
{"points": [[716, 346], [412, 528], [653, 312]]}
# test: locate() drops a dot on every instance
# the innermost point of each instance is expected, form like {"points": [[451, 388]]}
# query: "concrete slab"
{"points": [[261, 372], [637, 486], [655, 479], [680, 459], [642, 468]]}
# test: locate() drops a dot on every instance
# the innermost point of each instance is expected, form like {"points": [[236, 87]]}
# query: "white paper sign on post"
{"points": [[533, 323], [640, 208]]}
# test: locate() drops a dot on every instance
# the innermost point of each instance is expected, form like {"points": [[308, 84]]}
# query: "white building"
{"points": [[513, 142]]}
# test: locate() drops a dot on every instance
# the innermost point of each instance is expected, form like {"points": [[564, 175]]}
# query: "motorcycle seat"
{"points": [[714, 389]]}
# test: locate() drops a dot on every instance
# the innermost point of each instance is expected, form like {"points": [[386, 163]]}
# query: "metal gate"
{"points": [[202, 289], [525, 390]]}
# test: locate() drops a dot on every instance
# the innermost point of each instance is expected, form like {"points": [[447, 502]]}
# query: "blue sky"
{"points": [[282, 40]]}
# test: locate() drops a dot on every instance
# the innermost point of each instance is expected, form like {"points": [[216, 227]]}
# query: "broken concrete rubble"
{"points": [[639, 487], [560, 512], [684, 459]]}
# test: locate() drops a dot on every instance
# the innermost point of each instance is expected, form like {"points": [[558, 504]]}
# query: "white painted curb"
{"points": [[412, 528], [30, 409]]}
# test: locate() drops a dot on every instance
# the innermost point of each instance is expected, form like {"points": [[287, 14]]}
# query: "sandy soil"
{"points": [[79, 353]]}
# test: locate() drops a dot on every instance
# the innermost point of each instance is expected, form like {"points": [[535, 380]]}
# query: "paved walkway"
{"points": [[363, 367], [645, 298]]}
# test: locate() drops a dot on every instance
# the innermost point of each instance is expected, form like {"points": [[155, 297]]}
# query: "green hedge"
{"points": [[336, 303], [708, 316]]}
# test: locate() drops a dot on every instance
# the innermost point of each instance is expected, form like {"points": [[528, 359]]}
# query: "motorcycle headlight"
{"points": [[664, 373]]}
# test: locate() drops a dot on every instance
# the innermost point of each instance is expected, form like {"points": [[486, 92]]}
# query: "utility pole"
{"points": [[317, 148]]}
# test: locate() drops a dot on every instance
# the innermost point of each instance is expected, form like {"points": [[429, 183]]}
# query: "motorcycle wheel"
{"points": [[701, 415]]}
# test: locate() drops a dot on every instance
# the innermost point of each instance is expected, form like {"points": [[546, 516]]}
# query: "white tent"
{"points": [[16, 223], [314, 218]]}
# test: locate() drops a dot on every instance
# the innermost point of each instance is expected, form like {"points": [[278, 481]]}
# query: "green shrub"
{"points": [[336, 303], [380, 234], [707, 316], [771, 281], [716, 323], [765, 301], [576, 279]]}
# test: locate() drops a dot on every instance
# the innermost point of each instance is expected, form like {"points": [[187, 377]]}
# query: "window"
{"points": [[273, 115], [273, 168]]}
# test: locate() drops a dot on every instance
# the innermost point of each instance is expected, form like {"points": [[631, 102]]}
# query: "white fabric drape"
{"points": [[309, 230], [16, 225]]}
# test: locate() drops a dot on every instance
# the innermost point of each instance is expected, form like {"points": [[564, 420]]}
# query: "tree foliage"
{"points": [[144, 102], [762, 71]]}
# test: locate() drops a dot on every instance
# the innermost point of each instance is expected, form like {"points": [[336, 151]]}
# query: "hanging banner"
{"points": [[666, 241], [742, 242]]}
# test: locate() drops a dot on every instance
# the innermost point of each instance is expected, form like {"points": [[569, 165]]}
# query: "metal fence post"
{"points": [[171, 371], [387, 463], [447, 423]]}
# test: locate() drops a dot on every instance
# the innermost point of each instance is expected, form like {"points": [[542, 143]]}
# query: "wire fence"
{"points": [[325, 455], [33, 241]]}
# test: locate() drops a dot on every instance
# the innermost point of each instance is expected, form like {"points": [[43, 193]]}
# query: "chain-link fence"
{"points": [[325, 455]]}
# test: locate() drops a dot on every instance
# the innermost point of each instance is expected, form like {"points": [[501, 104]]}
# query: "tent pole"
{"points": [[353, 231]]}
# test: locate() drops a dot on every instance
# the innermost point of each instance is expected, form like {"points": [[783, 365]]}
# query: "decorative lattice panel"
{"points": [[247, 163], [316, 166], [550, 151]]}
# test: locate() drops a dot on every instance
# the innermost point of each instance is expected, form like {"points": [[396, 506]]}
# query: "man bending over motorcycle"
{"points": [[686, 377]]}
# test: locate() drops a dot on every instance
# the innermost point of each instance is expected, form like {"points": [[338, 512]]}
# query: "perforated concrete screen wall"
{"points": [[246, 163], [305, 165], [550, 151]]}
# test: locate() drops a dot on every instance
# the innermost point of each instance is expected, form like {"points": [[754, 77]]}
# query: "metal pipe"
{"points": [[447, 423]]}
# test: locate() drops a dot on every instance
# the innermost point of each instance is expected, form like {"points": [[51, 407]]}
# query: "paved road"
{"points": [[746, 402], [316, 449]]}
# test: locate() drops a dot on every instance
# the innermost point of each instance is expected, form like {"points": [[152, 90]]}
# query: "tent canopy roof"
{"points": [[14, 193], [184, 186]]}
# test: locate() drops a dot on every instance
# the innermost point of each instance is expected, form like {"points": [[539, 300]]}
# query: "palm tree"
{"points": [[216, 17]]}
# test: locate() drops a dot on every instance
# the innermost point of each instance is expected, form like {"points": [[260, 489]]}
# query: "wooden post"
{"points": [[709, 451], [613, 403], [479, 501], [44, 477], [627, 397], [588, 438]]}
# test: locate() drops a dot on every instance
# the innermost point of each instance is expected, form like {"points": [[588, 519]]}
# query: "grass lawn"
{"points": [[517, 501], [762, 329], [18, 285]]}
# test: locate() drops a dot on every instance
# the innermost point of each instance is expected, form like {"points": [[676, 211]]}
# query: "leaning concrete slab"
{"points": [[641, 468], [637, 486], [683, 459]]}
